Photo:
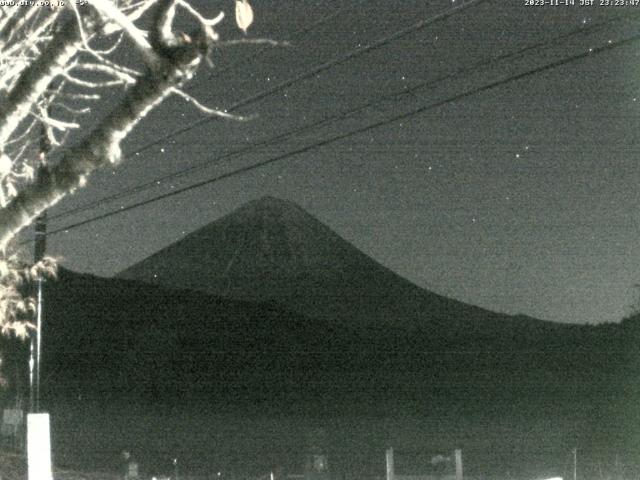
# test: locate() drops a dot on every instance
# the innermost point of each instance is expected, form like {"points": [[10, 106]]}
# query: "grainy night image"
{"points": [[320, 240]]}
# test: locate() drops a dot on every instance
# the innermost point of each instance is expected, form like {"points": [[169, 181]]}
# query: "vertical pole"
{"points": [[390, 468], [32, 365], [38, 424], [35, 346], [458, 455], [575, 464], [41, 245]]}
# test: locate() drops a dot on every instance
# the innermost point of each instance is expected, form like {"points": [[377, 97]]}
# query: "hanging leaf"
{"points": [[244, 15]]}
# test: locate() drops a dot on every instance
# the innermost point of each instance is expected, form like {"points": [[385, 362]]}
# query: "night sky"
{"points": [[521, 198]]}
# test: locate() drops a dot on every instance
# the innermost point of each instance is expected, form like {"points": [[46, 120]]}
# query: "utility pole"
{"points": [[40, 248], [36, 340], [575, 464], [38, 423]]}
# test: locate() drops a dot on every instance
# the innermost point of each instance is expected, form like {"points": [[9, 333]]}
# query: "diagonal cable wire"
{"points": [[308, 74], [316, 70], [338, 116], [403, 116]]}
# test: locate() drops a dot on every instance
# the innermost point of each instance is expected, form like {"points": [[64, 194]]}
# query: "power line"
{"points": [[411, 113], [217, 73], [318, 69], [305, 75], [341, 115]]}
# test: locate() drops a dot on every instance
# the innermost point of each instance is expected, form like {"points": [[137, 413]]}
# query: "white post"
{"points": [[390, 471], [39, 446], [458, 464]]}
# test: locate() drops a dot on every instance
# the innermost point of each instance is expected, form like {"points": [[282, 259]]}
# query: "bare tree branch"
{"points": [[102, 146], [207, 110], [36, 78], [111, 13], [48, 60]]}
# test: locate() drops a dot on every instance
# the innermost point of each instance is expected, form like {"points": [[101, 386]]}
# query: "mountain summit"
{"points": [[272, 250], [253, 253]]}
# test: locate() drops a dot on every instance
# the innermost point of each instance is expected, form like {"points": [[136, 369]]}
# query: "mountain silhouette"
{"points": [[268, 312], [129, 363], [120, 357], [272, 250]]}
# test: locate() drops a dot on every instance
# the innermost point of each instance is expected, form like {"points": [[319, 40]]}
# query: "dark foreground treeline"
{"points": [[237, 385]]}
